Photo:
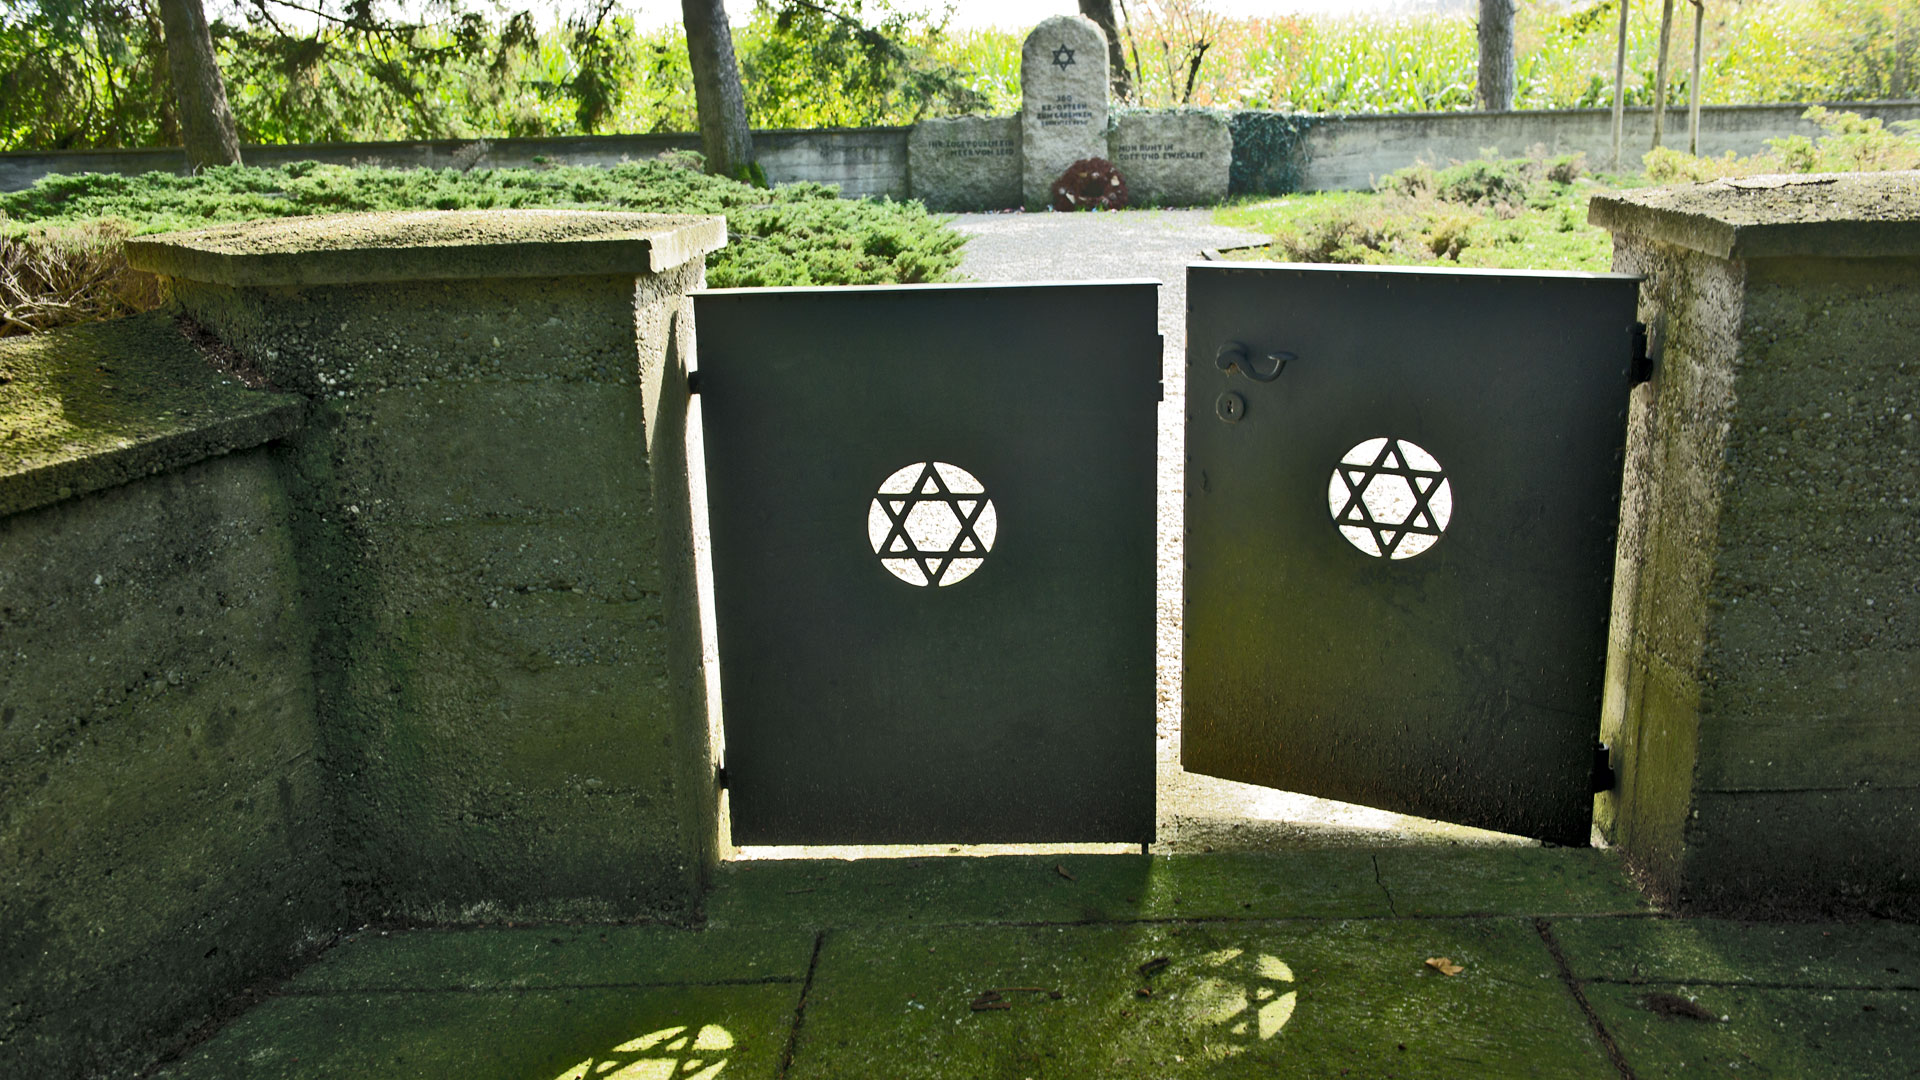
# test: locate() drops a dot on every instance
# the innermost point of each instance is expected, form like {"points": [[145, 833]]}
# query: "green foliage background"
{"points": [[91, 73]]}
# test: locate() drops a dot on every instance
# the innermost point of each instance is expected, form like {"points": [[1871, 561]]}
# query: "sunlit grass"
{"points": [[1529, 213], [1428, 217]]}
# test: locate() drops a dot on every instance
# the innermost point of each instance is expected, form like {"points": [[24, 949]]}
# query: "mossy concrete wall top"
{"points": [[1821, 215], [491, 509], [430, 245], [1765, 676], [93, 406], [163, 827]]}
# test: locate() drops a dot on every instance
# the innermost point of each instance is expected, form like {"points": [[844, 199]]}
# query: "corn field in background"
{"points": [[1756, 51]]}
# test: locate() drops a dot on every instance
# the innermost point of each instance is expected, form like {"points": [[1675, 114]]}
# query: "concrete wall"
{"points": [[861, 161], [163, 824], [411, 638], [491, 635], [492, 507], [1766, 644], [1341, 152], [1345, 153]]}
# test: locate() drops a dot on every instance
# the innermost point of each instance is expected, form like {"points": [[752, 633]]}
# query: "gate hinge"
{"points": [[720, 776], [1604, 778], [693, 381], [1640, 365]]}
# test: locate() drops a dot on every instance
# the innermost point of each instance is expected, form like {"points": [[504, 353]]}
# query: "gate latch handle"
{"points": [[1233, 356]]}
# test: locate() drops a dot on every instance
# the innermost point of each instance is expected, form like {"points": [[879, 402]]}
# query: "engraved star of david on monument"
{"points": [[931, 523], [1390, 498], [1063, 58]]}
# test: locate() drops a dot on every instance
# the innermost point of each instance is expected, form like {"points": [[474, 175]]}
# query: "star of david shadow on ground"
{"points": [[1390, 498], [576, 1033], [1224, 1001], [675, 1052], [932, 524]]}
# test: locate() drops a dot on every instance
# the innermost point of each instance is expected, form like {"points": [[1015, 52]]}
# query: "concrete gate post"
{"points": [[492, 516], [1763, 695]]}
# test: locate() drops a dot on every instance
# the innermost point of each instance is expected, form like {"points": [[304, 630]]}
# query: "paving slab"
{"points": [[1872, 955], [704, 1032], [1744, 1032], [556, 956], [1059, 888], [1231, 1000], [1508, 881]]}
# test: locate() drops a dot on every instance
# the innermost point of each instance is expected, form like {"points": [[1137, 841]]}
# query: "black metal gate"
{"points": [[932, 511], [1401, 499]]}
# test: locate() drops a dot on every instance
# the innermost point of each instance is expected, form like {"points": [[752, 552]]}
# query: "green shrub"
{"points": [[1516, 212], [799, 234], [1850, 143], [1485, 182]]}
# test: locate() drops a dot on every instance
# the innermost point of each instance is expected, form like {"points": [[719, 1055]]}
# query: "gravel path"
{"points": [[1197, 813]]}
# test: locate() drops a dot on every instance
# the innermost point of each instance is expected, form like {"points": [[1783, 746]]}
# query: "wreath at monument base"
{"points": [[1090, 184]]}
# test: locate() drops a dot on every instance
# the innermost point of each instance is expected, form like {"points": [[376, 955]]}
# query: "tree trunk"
{"points": [[1620, 84], [1660, 74], [1693, 84], [1495, 91], [1101, 12], [206, 124], [724, 136]]}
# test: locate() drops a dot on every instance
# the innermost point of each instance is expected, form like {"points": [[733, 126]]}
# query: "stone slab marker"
{"points": [[1173, 158], [965, 163], [1763, 698], [1063, 85], [491, 513]]}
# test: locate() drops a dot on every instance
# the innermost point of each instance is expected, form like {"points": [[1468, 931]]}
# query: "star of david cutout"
{"points": [[1063, 58], [932, 524], [1390, 498]]}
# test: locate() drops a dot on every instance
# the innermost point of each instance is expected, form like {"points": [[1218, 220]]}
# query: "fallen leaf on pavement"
{"points": [[1444, 966], [1065, 873]]}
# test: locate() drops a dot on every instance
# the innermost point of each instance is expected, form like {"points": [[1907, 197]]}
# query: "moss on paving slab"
{"points": [[561, 1034], [1055, 888], [556, 956], [1868, 955], [1232, 1000], [93, 406], [1791, 1034], [1095, 888], [1260, 970], [1506, 881]]}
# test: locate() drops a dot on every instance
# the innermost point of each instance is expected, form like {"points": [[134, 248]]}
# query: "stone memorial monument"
{"points": [[1063, 79], [1167, 158], [1173, 158], [965, 163]]}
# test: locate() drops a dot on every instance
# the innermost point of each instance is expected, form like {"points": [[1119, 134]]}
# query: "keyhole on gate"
{"points": [[931, 523]]}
